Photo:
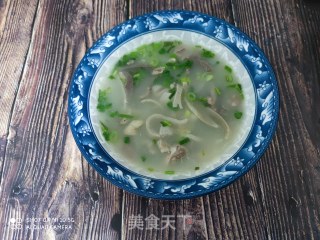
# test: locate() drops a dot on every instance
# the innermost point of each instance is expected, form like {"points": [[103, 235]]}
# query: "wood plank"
{"points": [[288, 33], [43, 173], [15, 37]]}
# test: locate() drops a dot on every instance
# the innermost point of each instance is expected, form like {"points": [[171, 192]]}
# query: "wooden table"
{"points": [[45, 179]]}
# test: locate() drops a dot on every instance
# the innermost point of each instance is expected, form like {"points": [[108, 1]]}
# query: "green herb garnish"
{"points": [[128, 57], [168, 46], [165, 79], [208, 77], [169, 105], [120, 115], [105, 132], [113, 74], [103, 103], [217, 91], [138, 76], [196, 168], [228, 69], [207, 54], [166, 123], [184, 141], [108, 134], [143, 158], [150, 169], [238, 88], [191, 96], [169, 172], [238, 115], [186, 64], [204, 101], [185, 80], [172, 92], [126, 139], [229, 79]]}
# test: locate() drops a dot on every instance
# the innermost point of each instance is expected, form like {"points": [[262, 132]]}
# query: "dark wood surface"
{"points": [[43, 174]]}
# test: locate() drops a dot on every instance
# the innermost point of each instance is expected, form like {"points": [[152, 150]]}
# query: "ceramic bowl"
{"points": [[233, 46]]}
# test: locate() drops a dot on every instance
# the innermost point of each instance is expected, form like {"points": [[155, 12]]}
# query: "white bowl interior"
{"points": [[192, 38]]}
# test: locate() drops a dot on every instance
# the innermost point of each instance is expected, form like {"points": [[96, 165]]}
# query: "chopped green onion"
{"points": [[169, 105], [103, 103], [185, 80], [184, 141], [126, 139], [187, 64], [113, 114], [168, 46], [169, 172], [143, 158], [154, 141], [128, 57], [238, 88], [162, 51], [172, 92], [238, 115], [166, 123], [229, 79], [165, 79], [150, 169], [171, 64], [228, 69], [207, 54], [138, 76], [208, 77], [155, 45], [217, 62], [120, 115], [181, 65], [173, 55], [191, 96], [204, 101], [113, 74], [217, 91], [107, 134], [196, 168], [154, 62]]}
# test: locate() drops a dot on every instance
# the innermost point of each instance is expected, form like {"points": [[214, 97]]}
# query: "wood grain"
{"points": [[44, 175]]}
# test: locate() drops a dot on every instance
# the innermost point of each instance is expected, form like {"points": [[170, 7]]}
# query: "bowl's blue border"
{"points": [[248, 52]]}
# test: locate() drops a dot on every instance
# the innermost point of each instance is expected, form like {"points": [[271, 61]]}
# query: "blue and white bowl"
{"points": [[233, 46]]}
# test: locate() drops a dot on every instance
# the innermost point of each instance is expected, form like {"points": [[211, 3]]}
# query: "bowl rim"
{"points": [[246, 50]]}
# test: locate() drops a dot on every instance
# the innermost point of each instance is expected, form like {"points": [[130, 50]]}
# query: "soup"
{"points": [[170, 108]]}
